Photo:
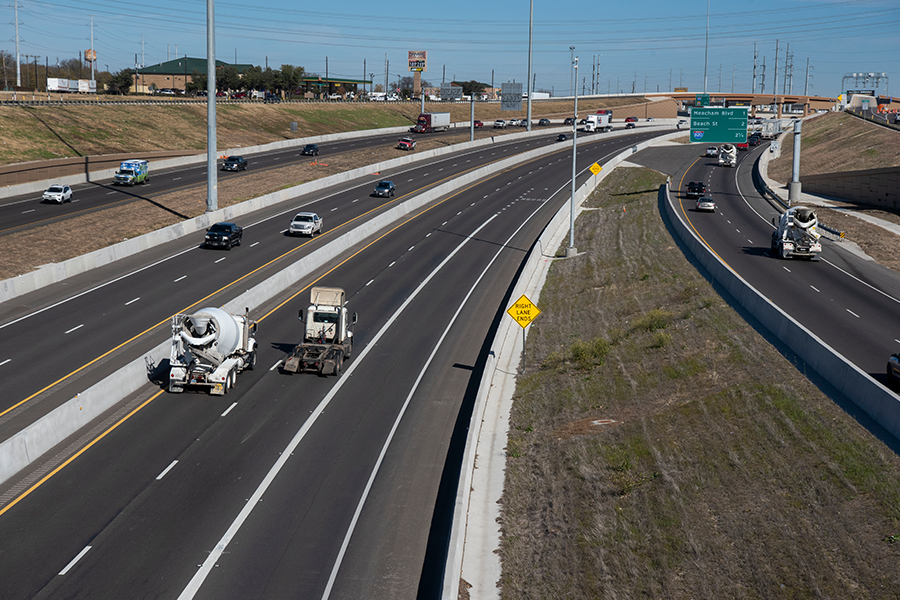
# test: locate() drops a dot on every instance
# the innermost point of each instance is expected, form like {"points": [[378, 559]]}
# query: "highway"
{"points": [[271, 491], [24, 211], [847, 301]]}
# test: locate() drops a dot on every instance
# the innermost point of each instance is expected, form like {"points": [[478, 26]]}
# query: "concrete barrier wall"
{"points": [[27, 445], [52, 273], [873, 398]]}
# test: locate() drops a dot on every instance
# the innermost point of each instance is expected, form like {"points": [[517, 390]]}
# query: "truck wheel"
{"points": [[228, 245], [252, 364], [349, 351], [338, 361]]}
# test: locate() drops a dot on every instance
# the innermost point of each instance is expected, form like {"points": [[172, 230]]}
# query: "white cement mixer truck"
{"points": [[209, 349], [795, 234], [728, 155]]}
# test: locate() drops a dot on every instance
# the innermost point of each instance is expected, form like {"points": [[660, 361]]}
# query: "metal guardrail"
{"points": [[873, 117]]}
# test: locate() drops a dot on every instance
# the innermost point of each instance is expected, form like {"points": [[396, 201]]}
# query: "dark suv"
{"points": [[310, 150], [234, 163], [271, 99], [695, 189], [384, 189], [223, 235]]}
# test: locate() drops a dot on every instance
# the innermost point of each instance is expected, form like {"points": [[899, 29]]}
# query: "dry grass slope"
{"points": [[716, 478]]}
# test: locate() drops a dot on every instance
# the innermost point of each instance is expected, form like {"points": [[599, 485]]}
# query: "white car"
{"points": [[499, 124], [306, 223], [57, 193], [712, 150], [706, 203], [513, 123]]}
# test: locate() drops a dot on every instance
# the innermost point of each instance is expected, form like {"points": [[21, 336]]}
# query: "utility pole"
{"points": [[733, 71], [762, 89], [93, 55], [755, 55], [806, 85], [775, 82]]}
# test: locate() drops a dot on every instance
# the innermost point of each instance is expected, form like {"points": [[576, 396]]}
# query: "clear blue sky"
{"points": [[645, 43]]}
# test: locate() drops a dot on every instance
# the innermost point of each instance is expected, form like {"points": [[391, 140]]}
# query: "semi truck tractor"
{"points": [[795, 235], [132, 171], [598, 122], [209, 349], [430, 122], [728, 155], [327, 339]]}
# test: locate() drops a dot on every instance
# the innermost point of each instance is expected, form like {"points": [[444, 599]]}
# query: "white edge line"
{"points": [[75, 560], [5, 361], [166, 470], [228, 410]]}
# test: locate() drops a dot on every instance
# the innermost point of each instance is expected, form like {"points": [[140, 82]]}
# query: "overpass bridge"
{"points": [[806, 103]]}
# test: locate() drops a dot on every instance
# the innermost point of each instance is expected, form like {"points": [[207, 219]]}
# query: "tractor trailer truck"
{"points": [[431, 122], [327, 339]]}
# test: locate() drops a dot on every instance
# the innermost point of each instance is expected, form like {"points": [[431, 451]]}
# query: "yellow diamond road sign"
{"points": [[523, 311], [596, 168]]}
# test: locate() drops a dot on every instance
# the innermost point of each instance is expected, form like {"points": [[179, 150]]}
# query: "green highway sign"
{"points": [[719, 125], [701, 100]]}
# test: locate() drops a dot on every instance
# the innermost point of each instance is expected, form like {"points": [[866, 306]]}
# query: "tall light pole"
{"points": [[706, 56], [571, 250], [529, 84], [212, 179], [571, 58]]}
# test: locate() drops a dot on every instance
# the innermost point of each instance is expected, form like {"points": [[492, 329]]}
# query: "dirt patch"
{"points": [[719, 479]]}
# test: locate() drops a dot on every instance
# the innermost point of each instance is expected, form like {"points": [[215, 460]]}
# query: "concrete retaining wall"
{"points": [[873, 398], [878, 187]]}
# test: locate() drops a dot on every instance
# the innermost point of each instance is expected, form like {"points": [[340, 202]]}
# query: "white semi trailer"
{"points": [[795, 234], [209, 349]]}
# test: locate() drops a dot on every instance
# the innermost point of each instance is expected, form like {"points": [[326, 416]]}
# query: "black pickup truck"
{"points": [[695, 189]]}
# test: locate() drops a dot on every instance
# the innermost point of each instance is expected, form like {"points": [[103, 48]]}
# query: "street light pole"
{"points": [[706, 56], [529, 84], [571, 250]]}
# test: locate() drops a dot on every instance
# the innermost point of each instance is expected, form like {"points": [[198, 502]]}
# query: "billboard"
{"points": [[418, 60], [680, 89], [451, 92], [511, 96]]}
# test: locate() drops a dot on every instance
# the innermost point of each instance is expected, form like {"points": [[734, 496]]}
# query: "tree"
{"points": [[288, 78], [121, 82], [253, 78], [406, 86], [228, 78], [471, 87], [197, 82]]}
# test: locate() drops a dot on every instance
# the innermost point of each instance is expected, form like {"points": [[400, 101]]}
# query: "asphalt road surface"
{"points": [[291, 485]]}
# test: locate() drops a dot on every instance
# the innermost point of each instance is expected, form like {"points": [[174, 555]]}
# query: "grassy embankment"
{"points": [[723, 472]]}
